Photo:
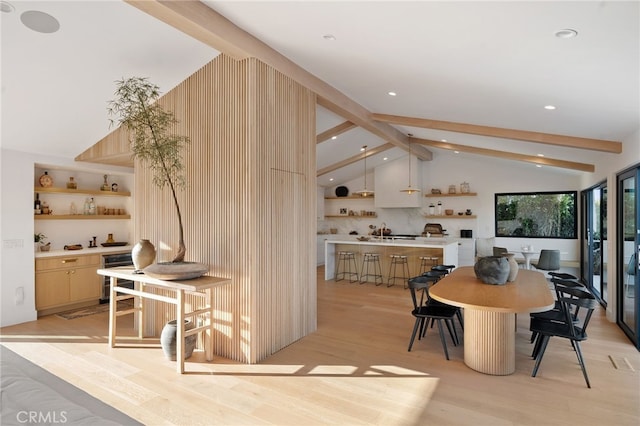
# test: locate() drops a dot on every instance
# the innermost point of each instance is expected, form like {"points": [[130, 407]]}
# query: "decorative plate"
{"points": [[45, 180]]}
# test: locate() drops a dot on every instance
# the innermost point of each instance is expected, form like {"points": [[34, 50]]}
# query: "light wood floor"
{"points": [[355, 370]]}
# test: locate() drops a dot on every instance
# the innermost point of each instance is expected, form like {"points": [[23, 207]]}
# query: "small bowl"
{"points": [[448, 212], [460, 213]]}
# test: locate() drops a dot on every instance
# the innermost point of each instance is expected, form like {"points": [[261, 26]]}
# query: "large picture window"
{"points": [[537, 215]]}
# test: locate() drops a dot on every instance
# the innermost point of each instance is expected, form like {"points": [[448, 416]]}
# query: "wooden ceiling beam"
{"points": [[203, 23], [335, 131], [356, 158], [497, 132], [507, 155]]}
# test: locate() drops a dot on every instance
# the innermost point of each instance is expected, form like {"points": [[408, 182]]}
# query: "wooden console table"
{"points": [[490, 314], [201, 287]]}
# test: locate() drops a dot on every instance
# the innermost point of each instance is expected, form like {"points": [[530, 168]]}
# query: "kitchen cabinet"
{"points": [[66, 282]]}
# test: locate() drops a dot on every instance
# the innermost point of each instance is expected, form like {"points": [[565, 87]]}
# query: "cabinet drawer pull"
{"points": [[69, 260]]}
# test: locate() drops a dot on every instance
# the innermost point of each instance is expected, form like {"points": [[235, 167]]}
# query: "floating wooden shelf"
{"points": [[80, 216], [457, 216], [466, 194], [350, 197], [54, 190]]}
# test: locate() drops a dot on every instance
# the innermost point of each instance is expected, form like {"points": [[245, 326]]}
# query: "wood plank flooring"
{"points": [[355, 370]]}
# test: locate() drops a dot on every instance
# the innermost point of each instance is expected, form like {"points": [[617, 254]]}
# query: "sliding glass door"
{"points": [[628, 232]]}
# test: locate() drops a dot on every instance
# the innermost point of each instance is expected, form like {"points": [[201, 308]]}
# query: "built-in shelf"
{"points": [[80, 216], [466, 194], [54, 190], [350, 197], [346, 216], [464, 216]]}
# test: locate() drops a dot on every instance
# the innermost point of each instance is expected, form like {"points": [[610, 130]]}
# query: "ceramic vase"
{"points": [[143, 254], [168, 339], [492, 269], [513, 267]]}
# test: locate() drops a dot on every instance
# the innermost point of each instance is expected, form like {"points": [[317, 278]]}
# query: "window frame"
{"points": [[499, 200]]}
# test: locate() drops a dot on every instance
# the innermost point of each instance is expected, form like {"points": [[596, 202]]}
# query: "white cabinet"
{"points": [[466, 248], [391, 178]]}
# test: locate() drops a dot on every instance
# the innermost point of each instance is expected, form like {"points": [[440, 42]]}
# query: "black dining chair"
{"points": [[574, 331], [424, 312], [557, 313]]}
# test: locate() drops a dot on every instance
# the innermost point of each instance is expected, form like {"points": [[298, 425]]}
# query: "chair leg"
{"points": [[540, 354], [444, 343], [413, 335], [459, 315], [452, 331], [581, 361]]}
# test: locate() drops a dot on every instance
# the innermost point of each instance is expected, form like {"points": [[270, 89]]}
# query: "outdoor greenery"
{"points": [[536, 214]]}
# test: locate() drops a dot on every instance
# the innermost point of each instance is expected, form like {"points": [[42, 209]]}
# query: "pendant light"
{"points": [[409, 190], [364, 192]]}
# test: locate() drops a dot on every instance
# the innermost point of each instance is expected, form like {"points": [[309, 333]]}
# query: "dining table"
{"points": [[490, 314]]}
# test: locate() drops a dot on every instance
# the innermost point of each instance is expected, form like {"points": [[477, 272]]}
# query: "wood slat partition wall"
{"points": [[249, 209]]}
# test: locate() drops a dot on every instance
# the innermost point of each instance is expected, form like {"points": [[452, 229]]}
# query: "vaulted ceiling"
{"points": [[468, 77]]}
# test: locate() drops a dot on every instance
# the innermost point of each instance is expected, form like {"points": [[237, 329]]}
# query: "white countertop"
{"points": [[84, 251], [418, 242]]}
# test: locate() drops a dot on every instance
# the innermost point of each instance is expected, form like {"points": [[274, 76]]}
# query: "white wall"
{"points": [[17, 229]]}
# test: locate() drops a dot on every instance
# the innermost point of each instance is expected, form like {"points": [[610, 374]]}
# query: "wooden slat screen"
{"points": [[249, 208]]}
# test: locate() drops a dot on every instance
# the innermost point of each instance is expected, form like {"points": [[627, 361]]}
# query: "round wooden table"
{"points": [[490, 314]]}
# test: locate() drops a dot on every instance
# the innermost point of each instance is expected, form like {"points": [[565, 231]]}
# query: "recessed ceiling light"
{"points": [[549, 107], [538, 165], [385, 158], [456, 152], [6, 7], [361, 149], [330, 179], [566, 33], [392, 93], [329, 37], [334, 137], [40, 21], [540, 155], [443, 140]]}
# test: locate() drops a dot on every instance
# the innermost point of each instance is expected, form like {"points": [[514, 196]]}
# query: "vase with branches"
{"points": [[136, 108]]}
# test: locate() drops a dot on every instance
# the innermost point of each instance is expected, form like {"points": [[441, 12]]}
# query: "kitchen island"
{"points": [[445, 251]]}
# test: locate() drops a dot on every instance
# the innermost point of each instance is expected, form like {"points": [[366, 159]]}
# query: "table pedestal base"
{"points": [[489, 341]]}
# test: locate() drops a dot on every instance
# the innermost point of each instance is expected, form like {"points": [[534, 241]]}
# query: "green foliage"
{"points": [[153, 142], [136, 108]]}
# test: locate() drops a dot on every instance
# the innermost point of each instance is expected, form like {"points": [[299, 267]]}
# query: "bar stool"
{"points": [[372, 259], [427, 262], [346, 265], [398, 259]]}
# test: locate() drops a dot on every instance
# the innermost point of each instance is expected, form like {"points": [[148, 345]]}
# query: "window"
{"points": [[536, 215]]}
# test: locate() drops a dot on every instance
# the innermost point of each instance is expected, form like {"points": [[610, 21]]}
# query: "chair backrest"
{"points": [[549, 260], [417, 284], [631, 268], [499, 251], [484, 246], [573, 299]]}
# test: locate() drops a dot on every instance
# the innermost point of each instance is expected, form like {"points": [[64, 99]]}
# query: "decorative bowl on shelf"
{"points": [[448, 212]]}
